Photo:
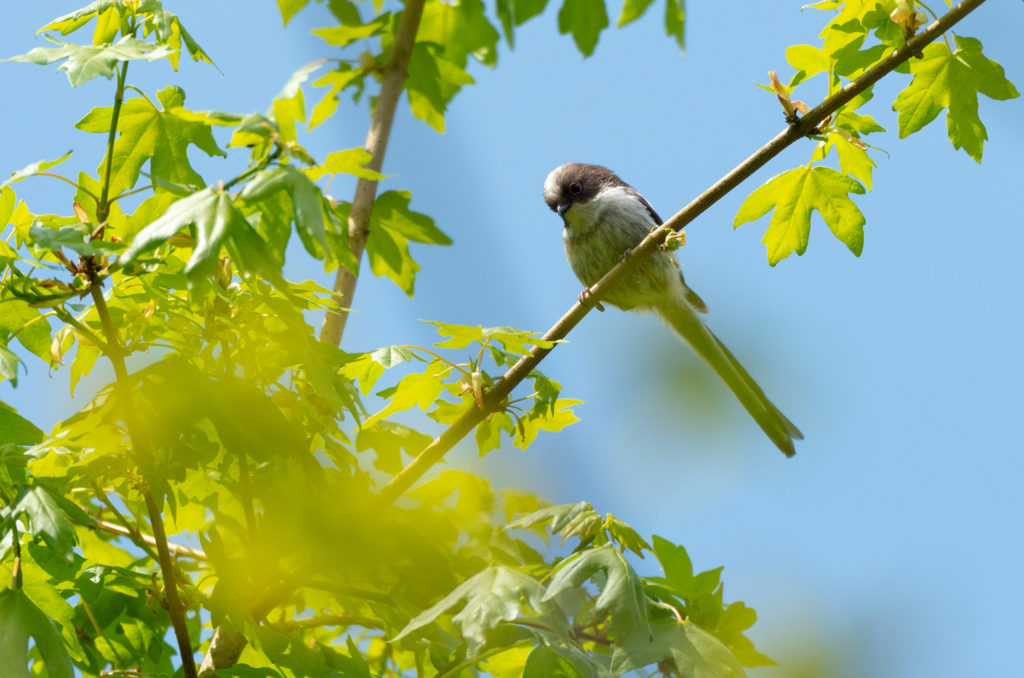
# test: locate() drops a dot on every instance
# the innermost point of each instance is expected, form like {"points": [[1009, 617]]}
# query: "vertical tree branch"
{"points": [[227, 645], [436, 450], [376, 145]]}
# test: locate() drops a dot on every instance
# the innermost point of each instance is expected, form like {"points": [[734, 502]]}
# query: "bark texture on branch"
{"points": [[366, 189]]}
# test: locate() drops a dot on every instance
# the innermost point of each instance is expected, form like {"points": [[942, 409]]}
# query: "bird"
{"points": [[604, 218]]}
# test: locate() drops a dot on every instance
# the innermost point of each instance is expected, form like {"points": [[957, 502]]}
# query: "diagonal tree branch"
{"points": [[797, 130], [376, 145]]}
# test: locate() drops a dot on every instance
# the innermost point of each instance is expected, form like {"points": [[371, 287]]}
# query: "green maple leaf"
{"points": [[584, 19], [16, 429], [689, 649], [794, 195], [34, 169], [305, 197], [952, 80], [20, 620], [491, 597], [85, 62], [47, 520], [344, 34], [349, 161], [633, 10], [112, 15], [545, 662], [514, 13], [433, 81], [214, 221], [392, 226], [149, 133], [461, 28], [621, 592], [675, 21]]}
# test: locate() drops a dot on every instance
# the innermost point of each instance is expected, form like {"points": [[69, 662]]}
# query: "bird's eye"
{"points": [[575, 188]]}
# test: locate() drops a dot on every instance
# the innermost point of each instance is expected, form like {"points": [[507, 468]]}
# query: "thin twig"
{"points": [[126, 528], [330, 620], [802, 127], [177, 549], [83, 189]]}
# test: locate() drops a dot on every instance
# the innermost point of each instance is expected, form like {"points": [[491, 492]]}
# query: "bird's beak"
{"points": [[563, 208]]}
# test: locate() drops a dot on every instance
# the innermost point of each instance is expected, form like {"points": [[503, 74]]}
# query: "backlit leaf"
{"points": [[953, 81], [461, 28], [391, 211], [584, 19], [15, 429], [342, 35], [46, 520], [85, 62], [32, 170], [490, 597], [214, 220], [689, 649], [675, 21], [290, 8], [159, 136], [633, 10], [350, 161], [621, 594], [305, 198], [20, 620], [793, 195]]}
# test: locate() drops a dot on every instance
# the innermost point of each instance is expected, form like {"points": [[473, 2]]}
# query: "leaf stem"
{"points": [[936, 17], [143, 95], [130, 530], [131, 192], [254, 169], [439, 357], [83, 189], [143, 541], [802, 127]]}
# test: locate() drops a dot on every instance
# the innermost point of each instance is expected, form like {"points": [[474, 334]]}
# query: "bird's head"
{"points": [[576, 183]]}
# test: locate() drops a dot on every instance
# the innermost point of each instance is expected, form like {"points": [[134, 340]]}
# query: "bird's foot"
{"points": [[584, 298]]}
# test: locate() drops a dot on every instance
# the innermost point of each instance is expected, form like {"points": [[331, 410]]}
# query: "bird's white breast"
{"points": [[615, 206]]}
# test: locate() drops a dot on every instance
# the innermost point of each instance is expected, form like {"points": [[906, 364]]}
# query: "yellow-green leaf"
{"points": [[952, 80], [793, 196]]}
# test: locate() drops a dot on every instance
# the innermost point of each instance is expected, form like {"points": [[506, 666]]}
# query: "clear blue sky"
{"points": [[892, 542]]}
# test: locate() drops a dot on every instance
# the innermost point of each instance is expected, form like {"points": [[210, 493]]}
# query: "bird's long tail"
{"points": [[678, 315]]}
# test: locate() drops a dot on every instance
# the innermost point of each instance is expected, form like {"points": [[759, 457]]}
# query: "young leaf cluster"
{"points": [[861, 34], [589, 613]]}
